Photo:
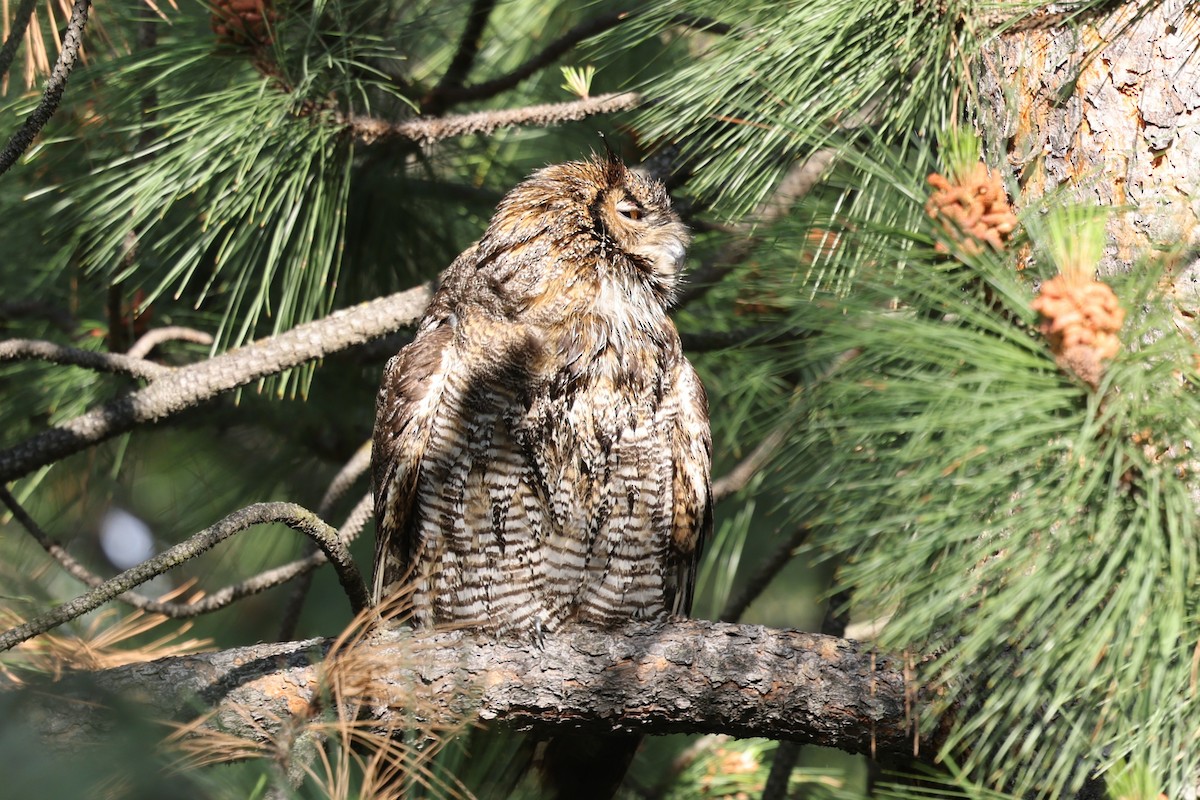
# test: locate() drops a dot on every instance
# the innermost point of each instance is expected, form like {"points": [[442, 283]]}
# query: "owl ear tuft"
{"points": [[611, 163]]}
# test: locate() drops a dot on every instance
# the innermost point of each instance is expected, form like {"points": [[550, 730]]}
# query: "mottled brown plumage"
{"points": [[542, 450]]}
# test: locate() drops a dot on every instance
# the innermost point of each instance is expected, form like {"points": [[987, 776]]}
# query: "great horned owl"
{"points": [[542, 447]]}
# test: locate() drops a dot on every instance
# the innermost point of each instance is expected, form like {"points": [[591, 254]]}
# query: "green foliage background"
{"points": [[1038, 537]]}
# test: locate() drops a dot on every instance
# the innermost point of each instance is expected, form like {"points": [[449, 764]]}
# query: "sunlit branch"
{"points": [[171, 333], [186, 387], [429, 130]]}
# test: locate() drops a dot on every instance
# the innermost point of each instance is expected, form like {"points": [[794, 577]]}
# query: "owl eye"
{"points": [[629, 210]]}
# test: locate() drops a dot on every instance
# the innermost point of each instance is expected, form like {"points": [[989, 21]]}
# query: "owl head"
{"points": [[594, 215]]}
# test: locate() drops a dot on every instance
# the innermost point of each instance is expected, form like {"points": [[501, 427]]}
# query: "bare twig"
{"points": [[351, 528], [295, 517], [116, 363], [428, 130], [211, 601], [37, 119], [347, 476], [798, 182], [782, 764], [549, 54], [20, 23], [737, 478], [186, 387], [464, 58], [737, 605], [171, 333]]}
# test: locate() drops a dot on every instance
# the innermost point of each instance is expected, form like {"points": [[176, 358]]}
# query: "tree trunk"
{"points": [[1105, 110]]}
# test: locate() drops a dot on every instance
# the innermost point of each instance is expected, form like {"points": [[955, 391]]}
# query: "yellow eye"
{"points": [[629, 210]]}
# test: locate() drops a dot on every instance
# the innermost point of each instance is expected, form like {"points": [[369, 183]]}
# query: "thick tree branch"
{"points": [[186, 387], [37, 119], [687, 676], [429, 130]]}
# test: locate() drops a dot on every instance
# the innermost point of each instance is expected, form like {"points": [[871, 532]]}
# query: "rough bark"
{"points": [[1105, 110], [689, 676]]}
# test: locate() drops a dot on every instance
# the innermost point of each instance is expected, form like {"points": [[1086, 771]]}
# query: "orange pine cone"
{"points": [[244, 24], [1081, 319], [973, 213]]}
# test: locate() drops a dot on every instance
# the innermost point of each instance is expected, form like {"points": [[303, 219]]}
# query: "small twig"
{"points": [[211, 601], [295, 517], [548, 55], [186, 387], [171, 333], [38, 118], [464, 58], [429, 130], [349, 531], [737, 605], [359, 463], [786, 756], [350, 472], [20, 23], [116, 363], [737, 478]]}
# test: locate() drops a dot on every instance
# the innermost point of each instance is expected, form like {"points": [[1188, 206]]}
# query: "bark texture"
{"points": [[687, 676], [1106, 109]]}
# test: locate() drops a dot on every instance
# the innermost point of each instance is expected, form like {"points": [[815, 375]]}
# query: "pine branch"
{"points": [[295, 517], [549, 54], [20, 23], [430, 130], [464, 58], [358, 518], [767, 570], [737, 478], [187, 387], [688, 676], [37, 119]]}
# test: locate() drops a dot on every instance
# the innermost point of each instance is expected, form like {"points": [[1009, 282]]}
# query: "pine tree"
{"points": [[942, 296]]}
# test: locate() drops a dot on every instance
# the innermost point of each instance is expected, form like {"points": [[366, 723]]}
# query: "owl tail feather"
{"points": [[583, 766]]}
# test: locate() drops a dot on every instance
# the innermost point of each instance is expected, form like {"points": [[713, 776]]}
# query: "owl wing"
{"points": [[408, 401], [691, 463], [407, 404]]}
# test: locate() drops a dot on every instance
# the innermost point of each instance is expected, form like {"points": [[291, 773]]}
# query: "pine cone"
{"points": [[1081, 319], [243, 24], [973, 212]]}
